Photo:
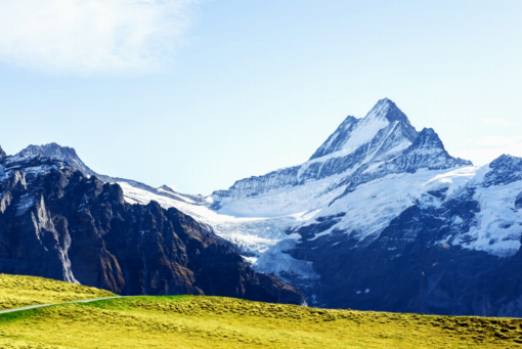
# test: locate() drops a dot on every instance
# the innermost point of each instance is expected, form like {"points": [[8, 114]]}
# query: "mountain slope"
{"points": [[56, 222]]}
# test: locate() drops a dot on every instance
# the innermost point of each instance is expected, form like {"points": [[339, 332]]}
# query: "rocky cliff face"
{"points": [[56, 222]]}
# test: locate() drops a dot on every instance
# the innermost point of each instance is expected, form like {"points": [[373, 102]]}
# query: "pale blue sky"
{"points": [[207, 92]]}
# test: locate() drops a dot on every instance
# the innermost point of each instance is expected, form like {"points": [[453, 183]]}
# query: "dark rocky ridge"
{"points": [[60, 224]]}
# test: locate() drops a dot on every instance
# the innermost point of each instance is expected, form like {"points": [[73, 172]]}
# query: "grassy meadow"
{"points": [[213, 322], [18, 291]]}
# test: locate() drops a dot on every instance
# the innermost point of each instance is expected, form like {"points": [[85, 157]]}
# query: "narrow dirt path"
{"points": [[38, 306]]}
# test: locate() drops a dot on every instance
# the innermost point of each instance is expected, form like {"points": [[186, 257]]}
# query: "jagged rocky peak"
{"points": [[52, 152], [428, 143], [382, 142], [428, 138], [353, 132], [386, 109], [504, 170], [427, 151], [506, 161], [337, 139]]}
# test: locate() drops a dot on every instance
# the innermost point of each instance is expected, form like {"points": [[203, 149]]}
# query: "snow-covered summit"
{"points": [[354, 132], [51, 152], [387, 109], [381, 143], [504, 170], [427, 151], [429, 139]]}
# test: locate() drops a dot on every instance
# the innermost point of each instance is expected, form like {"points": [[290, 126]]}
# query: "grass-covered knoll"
{"points": [[17, 291], [206, 322]]}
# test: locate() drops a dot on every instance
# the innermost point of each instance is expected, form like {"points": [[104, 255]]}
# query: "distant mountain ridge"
{"points": [[380, 217]]}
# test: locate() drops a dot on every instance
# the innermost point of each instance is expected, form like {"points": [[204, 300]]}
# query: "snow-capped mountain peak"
{"points": [[428, 138], [53, 152], [426, 151], [360, 150], [429, 146], [337, 139], [504, 170], [386, 109], [354, 133], [50, 150]]}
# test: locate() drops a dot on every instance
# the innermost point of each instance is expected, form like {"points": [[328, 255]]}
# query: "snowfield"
{"points": [[367, 210]]}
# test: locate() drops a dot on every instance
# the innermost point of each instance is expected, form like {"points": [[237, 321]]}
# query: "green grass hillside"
{"points": [[211, 322], [18, 291]]}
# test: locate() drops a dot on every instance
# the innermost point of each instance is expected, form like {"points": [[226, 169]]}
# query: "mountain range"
{"points": [[59, 220], [380, 217]]}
